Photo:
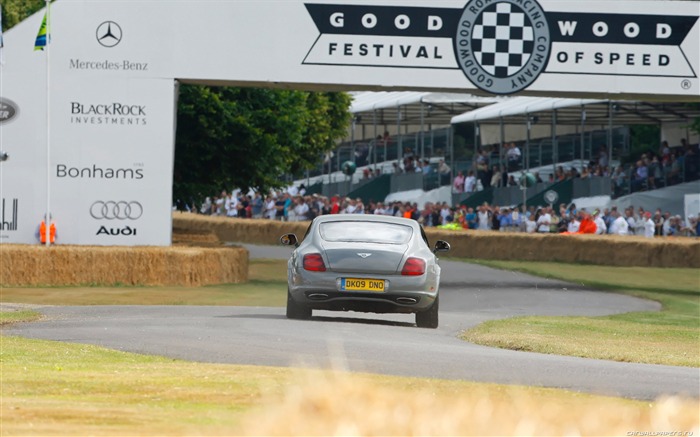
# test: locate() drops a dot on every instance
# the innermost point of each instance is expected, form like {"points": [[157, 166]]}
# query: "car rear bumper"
{"points": [[403, 294]]}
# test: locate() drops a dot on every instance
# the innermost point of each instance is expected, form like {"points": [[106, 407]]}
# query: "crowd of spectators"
{"points": [[294, 204], [652, 170], [648, 171]]}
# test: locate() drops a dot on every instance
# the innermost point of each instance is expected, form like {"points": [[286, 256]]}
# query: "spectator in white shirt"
{"points": [[470, 183], [573, 225], [484, 218], [649, 225], [619, 226], [601, 228], [301, 209], [270, 208], [544, 221]]}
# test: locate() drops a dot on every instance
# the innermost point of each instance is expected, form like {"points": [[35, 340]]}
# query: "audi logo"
{"points": [[116, 210]]}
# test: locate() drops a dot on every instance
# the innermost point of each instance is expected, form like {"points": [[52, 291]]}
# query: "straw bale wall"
{"points": [[25, 265], [623, 251], [238, 230], [589, 249]]}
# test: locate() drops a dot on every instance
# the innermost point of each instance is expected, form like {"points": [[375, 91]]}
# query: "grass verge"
{"points": [[54, 388], [266, 287], [671, 336], [8, 317]]}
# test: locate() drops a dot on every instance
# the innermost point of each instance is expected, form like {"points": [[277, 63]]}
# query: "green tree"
{"points": [[695, 123], [644, 138], [14, 11], [248, 137]]}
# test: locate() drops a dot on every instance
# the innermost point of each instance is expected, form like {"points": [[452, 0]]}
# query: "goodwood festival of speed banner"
{"points": [[502, 46]]}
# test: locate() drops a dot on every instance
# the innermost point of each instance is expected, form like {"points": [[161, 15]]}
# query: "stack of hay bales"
{"points": [[238, 230], [24, 265], [589, 249], [609, 250]]}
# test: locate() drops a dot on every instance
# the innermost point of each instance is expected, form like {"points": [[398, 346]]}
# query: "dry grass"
{"points": [[9, 316], [336, 404], [53, 388], [24, 265]]}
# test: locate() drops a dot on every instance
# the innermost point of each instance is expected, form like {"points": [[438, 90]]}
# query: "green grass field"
{"points": [[671, 336]]}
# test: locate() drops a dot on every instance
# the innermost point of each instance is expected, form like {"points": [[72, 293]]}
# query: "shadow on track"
{"points": [[326, 319]]}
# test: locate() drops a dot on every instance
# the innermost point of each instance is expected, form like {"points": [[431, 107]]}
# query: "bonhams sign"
{"points": [[502, 46]]}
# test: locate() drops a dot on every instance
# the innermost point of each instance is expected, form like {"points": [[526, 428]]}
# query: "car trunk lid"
{"points": [[349, 257]]}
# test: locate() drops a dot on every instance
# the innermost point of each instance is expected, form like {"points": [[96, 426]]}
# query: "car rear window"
{"points": [[366, 232]]}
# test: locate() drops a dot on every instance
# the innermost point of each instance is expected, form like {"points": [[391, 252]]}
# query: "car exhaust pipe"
{"points": [[406, 300], [317, 296]]}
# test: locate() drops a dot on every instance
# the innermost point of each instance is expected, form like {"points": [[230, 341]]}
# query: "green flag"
{"points": [[43, 35]]}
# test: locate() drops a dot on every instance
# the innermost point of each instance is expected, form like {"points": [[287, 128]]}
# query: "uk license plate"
{"points": [[362, 284]]}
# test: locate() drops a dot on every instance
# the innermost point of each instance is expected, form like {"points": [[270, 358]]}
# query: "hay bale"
{"points": [[590, 249], [623, 251], [182, 237], [24, 265], [254, 231]]}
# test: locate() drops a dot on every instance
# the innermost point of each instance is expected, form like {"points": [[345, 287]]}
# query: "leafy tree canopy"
{"points": [[14, 11], [248, 137]]}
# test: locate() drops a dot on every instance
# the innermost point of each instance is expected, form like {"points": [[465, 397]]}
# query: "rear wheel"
{"points": [[429, 318], [295, 310]]}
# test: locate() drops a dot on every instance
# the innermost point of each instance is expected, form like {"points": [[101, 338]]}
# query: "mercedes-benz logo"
{"points": [[364, 255], [111, 210], [109, 34]]}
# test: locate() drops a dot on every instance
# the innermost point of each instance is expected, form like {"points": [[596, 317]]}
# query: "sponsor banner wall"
{"points": [[111, 151], [548, 47], [111, 168]]}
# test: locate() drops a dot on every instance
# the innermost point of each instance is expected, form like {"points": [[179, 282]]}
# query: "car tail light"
{"points": [[314, 262], [413, 267]]}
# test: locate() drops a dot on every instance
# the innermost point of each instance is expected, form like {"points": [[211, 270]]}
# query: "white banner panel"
{"points": [[692, 205], [109, 159], [623, 49], [110, 165], [112, 160]]}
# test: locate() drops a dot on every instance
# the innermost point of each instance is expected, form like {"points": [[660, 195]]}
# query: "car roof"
{"points": [[366, 218]]}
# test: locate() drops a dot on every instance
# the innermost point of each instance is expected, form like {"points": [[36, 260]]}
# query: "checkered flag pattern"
{"points": [[503, 39]]}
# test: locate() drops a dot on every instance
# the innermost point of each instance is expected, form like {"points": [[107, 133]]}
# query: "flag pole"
{"points": [[47, 219]]}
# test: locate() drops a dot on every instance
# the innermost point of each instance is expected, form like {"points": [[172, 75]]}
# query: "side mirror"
{"points": [[289, 240], [441, 246]]}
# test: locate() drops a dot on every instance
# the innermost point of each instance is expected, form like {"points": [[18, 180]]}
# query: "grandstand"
{"points": [[551, 133]]}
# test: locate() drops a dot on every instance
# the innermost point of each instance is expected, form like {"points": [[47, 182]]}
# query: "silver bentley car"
{"points": [[364, 263]]}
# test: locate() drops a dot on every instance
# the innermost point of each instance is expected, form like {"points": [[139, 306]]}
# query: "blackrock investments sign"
{"points": [[502, 46], [108, 113]]}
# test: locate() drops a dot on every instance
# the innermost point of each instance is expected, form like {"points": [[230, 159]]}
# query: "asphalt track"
{"points": [[380, 343]]}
